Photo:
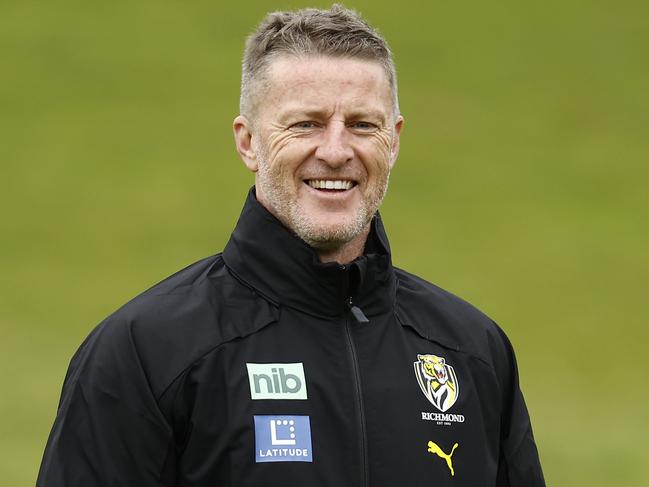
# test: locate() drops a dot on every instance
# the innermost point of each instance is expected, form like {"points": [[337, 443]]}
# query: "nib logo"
{"points": [[277, 381]]}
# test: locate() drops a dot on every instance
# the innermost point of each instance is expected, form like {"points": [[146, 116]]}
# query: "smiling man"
{"points": [[322, 142], [300, 355]]}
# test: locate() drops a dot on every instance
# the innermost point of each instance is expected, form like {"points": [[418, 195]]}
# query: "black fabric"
{"points": [[265, 255], [160, 394]]}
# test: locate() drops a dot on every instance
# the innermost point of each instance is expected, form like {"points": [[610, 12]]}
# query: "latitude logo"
{"points": [[277, 381], [283, 439], [437, 381]]}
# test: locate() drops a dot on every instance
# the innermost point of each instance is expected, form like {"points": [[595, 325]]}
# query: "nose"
{"points": [[334, 148]]}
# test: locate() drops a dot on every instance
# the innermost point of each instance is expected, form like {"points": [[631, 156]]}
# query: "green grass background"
{"points": [[522, 186]]}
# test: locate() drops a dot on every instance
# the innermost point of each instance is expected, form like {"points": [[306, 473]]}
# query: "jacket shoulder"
{"points": [[440, 316], [186, 316]]}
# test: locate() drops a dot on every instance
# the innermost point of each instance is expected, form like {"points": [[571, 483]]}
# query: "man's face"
{"points": [[323, 142]]}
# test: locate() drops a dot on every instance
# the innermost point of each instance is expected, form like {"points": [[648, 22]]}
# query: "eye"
{"points": [[303, 125], [363, 126]]}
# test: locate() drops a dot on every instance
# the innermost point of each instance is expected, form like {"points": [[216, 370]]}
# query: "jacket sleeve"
{"points": [[519, 464], [108, 430]]}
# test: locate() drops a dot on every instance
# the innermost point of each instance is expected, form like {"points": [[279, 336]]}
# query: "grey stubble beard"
{"points": [[295, 218]]}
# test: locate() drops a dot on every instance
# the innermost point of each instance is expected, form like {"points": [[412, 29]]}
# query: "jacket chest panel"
{"points": [[302, 370], [421, 399], [279, 405]]}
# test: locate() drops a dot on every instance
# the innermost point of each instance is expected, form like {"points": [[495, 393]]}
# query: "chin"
{"points": [[330, 232]]}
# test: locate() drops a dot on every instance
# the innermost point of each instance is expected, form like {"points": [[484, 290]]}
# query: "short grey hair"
{"points": [[337, 32]]}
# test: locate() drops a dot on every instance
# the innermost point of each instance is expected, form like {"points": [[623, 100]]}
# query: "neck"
{"points": [[347, 252]]}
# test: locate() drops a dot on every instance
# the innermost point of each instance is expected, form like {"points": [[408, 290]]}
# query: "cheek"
{"points": [[377, 154], [287, 158], [377, 166]]}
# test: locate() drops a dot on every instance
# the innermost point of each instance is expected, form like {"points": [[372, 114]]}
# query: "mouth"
{"points": [[331, 185]]}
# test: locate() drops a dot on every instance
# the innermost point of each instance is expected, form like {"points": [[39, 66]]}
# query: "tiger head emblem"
{"points": [[434, 367], [437, 380]]}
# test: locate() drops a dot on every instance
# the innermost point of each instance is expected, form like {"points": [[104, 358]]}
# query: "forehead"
{"points": [[296, 82]]}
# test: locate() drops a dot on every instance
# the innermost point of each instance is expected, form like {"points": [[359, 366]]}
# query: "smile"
{"points": [[336, 184]]}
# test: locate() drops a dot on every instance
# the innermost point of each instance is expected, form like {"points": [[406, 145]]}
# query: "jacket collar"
{"points": [[267, 257]]}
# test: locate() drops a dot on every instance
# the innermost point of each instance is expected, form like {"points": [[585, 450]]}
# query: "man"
{"points": [[299, 356]]}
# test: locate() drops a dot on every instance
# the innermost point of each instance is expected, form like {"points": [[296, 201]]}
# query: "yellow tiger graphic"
{"points": [[437, 380]]}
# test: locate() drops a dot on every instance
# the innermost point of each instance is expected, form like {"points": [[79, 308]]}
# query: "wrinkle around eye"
{"points": [[384, 136], [280, 138]]}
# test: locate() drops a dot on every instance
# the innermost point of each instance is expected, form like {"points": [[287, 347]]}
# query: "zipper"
{"points": [[360, 317], [357, 312]]}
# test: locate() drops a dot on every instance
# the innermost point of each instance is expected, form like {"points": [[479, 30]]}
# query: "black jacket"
{"points": [[262, 366]]}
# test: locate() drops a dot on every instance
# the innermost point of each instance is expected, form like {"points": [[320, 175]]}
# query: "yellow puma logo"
{"points": [[434, 448]]}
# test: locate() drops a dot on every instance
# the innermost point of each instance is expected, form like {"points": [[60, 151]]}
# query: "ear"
{"points": [[243, 140], [394, 150]]}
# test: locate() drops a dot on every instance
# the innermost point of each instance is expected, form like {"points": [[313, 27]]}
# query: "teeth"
{"points": [[330, 184]]}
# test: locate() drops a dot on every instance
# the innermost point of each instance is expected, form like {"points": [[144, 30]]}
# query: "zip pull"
{"points": [[357, 312]]}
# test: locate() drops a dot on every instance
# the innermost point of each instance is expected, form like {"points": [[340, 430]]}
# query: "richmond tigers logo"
{"points": [[437, 381]]}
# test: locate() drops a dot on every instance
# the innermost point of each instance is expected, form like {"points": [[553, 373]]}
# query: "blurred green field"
{"points": [[522, 186]]}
